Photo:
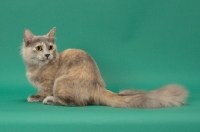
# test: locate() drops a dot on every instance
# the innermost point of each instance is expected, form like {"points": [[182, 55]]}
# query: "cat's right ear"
{"points": [[28, 37]]}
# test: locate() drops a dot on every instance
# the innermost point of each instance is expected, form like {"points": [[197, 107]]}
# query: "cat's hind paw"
{"points": [[50, 100]]}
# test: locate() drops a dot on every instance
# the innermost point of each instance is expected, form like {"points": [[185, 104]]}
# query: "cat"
{"points": [[72, 78]]}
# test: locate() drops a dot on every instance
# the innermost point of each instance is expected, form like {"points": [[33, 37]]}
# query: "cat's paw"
{"points": [[49, 100], [35, 98]]}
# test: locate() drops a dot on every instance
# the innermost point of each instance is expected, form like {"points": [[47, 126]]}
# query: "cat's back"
{"points": [[75, 56], [72, 53], [74, 60]]}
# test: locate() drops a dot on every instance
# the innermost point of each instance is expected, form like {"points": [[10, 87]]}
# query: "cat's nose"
{"points": [[47, 55]]}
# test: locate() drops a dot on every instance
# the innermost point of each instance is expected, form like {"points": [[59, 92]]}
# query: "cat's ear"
{"points": [[52, 33], [28, 37]]}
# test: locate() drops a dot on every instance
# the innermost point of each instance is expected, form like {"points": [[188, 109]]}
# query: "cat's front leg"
{"points": [[36, 98], [41, 95]]}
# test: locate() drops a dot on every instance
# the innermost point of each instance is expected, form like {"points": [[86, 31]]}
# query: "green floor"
{"points": [[140, 44], [18, 115]]}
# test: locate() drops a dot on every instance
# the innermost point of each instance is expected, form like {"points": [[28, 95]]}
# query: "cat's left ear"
{"points": [[28, 37], [51, 34]]}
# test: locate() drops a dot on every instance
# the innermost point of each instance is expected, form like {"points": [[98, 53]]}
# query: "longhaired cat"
{"points": [[73, 78]]}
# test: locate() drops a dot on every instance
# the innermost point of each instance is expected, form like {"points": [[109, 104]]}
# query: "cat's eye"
{"points": [[50, 47], [39, 48]]}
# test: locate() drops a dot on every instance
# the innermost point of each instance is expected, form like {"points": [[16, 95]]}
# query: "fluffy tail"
{"points": [[167, 96]]}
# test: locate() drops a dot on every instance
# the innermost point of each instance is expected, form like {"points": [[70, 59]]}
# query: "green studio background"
{"points": [[140, 44]]}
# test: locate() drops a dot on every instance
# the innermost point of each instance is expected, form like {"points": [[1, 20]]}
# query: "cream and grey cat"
{"points": [[73, 78]]}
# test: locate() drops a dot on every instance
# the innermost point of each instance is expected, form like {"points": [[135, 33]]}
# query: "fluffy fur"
{"points": [[73, 78]]}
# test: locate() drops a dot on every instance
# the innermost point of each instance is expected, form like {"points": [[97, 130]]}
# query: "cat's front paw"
{"points": [[35, 98]]}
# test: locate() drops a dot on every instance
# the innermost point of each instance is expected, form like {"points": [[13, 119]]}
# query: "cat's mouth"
{"points": [[44, 60]]}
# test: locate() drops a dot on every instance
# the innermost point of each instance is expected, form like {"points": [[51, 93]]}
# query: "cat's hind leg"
{"points": [[51, 100]]}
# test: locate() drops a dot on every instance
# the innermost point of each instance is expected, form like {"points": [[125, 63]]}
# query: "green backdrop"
{"points": [[140, 44]]}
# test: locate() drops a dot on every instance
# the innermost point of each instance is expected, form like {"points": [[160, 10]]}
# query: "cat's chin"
{"points": [[44, 61], [39, 62]]}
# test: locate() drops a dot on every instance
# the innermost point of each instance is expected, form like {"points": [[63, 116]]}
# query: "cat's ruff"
{"points": [[72, 78]]}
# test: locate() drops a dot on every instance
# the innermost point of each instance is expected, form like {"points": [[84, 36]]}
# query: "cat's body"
{"points": [[73, 78]]}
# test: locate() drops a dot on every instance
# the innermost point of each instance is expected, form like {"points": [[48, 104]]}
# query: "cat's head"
{"points": [[39, 50]]}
